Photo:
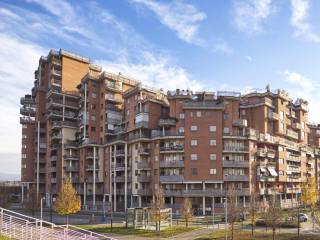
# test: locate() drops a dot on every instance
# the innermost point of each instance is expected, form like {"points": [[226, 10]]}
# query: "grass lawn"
{"points": [[167, 232], [4, 238], [259, 235]]}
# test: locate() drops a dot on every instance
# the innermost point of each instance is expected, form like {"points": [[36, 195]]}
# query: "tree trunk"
{"points": [[273, 233], [232, 230]]}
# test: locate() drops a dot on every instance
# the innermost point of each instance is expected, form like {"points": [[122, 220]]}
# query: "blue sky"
{"points": [[231, 45]]}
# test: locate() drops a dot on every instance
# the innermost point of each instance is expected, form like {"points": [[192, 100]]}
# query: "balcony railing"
{"points": [[143, 165], [167, 122], [236, 178], [292, 134], [172, 164], [171, 178], [240, 123], [175, 148], [240, 164], [235, 149], [273, 115], [144, 178], [144, 151]]}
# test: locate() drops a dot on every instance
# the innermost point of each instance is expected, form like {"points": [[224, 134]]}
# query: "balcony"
{"points": [[71, 157], [292, 134], [167, 134], [293, 190], [53, 158], [240, 123], [172, 149], [27, 100], [122, 179], [113, 86], [167, 122], [114, 99], [236, 178], [144, 178], [239, 164], [296, 125], [142, 120], [56, 73], [273, 115], [231, 149], [27, 120], [143, 165], [53, 180], [144, 151], [28, 111], [172, 164], [90, 179], [70, 144], [68, 168], [143, 192], [91, 156], [90, 168], [56, 137], [263, 178], [203, 192], [293, 168], [171, 178]]}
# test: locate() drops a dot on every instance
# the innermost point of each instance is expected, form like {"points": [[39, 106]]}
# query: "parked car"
{"points": [[303, 217], [239, 218]]}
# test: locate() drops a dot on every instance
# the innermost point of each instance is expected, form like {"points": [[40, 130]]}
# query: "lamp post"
{"points": [[226, 216]]}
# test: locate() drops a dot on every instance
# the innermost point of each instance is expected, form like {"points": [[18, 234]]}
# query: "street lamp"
{"points": [[226, 216]]}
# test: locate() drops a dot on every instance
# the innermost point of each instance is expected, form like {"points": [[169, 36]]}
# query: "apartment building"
{"points": [[119, 142]]}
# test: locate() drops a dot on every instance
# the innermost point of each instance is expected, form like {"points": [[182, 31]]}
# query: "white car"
{"points": [[303, 217]]}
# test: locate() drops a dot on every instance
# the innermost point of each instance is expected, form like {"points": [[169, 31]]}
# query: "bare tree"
{"points": [[32, 202], [273, 215], [234, 208], [187, 211], [157, 206], [253, 210]]}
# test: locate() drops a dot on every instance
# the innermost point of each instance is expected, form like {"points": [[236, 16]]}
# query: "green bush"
{"points": [[284, 224]]}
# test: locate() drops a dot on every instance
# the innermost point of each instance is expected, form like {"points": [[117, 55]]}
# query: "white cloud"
{"points": [[155, 71], [301, 86], [299, 20], [250, 15], [180, 17]]}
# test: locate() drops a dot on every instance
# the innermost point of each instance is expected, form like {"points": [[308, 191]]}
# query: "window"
{"points": [[213, 142], [194, 128], [213, 157], [302, 135], [194, 157], [24, 155], [24, 126], [281, 161], [93, 129], [191, 114], [194, 171], [302, 125], [24, 136], [281, 173], [24, 146], [156, 159], [94, 95], [226, 130], [181, 115], [93, 118], [136, 186], [128, 112], [213, 171], [181, 129], [194, 142], [226, 116], [212, 128], [198, 114], [243, 112]]}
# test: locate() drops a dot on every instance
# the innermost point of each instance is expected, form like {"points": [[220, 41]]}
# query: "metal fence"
{"points": [[21, 227]]}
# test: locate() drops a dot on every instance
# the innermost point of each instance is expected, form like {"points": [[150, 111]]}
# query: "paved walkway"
{"points": [[182, 236]]}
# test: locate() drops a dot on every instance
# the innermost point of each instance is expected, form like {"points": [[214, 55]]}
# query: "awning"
{"points": [[263, 169], [272, 172]]}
